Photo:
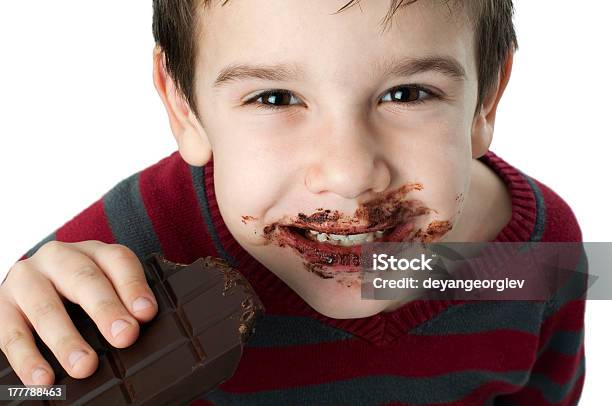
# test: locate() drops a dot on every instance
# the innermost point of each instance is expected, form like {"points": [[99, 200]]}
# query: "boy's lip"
{"points": [[345, 258]]}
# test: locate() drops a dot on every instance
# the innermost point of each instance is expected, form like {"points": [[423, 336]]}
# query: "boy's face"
{"points": [[371, 132]]}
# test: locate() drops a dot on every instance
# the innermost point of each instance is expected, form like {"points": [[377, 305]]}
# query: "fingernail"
{"points": [[118, 326], [75, 356], [141, 303], [39, 374]]}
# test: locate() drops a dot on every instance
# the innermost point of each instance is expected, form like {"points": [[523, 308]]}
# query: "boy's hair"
{"points": [[176, 22]]}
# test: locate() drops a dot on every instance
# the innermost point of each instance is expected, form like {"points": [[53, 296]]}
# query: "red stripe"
{"points": [[412, 356], [570, 317], [574, 395], [90, 224], [171, 203], [533, 397]]}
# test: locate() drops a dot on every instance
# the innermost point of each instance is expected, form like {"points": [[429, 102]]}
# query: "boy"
{"points": [[325, 132]]}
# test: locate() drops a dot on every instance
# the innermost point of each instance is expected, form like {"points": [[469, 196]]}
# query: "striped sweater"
{"points": [[423, 353]]}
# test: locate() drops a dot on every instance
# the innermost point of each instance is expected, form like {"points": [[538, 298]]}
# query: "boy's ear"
{"points": [[484, 120], [193, 143]]}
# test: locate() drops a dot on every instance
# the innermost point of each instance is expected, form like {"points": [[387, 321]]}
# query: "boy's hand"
{"points": [[106, 280]]}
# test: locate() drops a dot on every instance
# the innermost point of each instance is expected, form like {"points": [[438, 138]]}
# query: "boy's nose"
{"points": [[348, 164]]}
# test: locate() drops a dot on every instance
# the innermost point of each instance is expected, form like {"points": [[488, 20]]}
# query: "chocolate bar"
{"points": [[207, 311]]}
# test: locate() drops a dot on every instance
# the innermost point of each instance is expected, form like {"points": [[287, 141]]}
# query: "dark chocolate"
{"points": [[207, 311]]}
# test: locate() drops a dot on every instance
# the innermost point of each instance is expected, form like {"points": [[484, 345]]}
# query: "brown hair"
{"points": [[175, 29]]}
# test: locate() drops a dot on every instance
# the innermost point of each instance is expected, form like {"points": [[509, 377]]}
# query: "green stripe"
{"points": [[564, 342], [374, 390], [128, 219], [574, 288], [540, 220], [199, 185], [286, 331], [485, 316], [538, 229], [552, 391]]}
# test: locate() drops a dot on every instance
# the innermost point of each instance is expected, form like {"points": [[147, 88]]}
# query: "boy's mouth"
{"points": [[330, 242], [346, 237], [336, 245], [345, 240]]}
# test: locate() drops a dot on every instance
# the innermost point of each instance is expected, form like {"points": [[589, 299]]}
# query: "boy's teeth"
{"points": [[344, 240]]}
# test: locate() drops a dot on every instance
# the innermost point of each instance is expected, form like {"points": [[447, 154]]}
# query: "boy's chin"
{"points": [[337, 295], [350, 308], [334, 300]]}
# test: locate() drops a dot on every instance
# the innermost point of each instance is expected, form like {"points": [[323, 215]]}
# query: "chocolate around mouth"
{"points": [[397, 222], [327, 254], [365, 220], [389, 212], [318, 254]]}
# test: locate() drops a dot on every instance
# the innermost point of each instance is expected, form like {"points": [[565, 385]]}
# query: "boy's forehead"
{"points": [[312, 35]]}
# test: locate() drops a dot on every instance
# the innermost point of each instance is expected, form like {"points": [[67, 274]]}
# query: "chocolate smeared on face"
{"points": [[384, 207], [460, 199], [317, 270], [346, 279], [321, 256], [389, 214], [319, 217], [269, 230], [435, 230], [383, 211], [246, 219], [352, 281]]}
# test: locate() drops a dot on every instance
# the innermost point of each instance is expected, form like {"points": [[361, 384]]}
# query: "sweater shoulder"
{"points": [[560, 222], [174, 198]]}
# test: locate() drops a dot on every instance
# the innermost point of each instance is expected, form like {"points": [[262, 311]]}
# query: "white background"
{"points": [[79, 113]]}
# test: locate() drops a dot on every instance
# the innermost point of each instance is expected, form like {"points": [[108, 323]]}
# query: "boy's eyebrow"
{"points": [[237, 71], [409, 66], [282, 72]]}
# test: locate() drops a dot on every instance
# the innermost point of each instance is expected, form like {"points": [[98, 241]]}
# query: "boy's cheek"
{"points": [[244, 198]]}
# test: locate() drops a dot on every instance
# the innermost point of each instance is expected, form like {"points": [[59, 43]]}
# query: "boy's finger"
{"points": [[49, 318], [77, 277], [18, 345], [125, 272]]}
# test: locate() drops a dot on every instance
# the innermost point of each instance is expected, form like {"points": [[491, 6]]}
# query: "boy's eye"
{"points": [[408, 94], [273, 99]]}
